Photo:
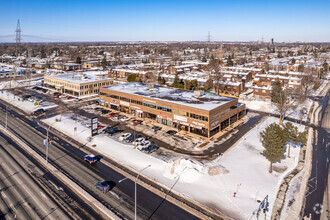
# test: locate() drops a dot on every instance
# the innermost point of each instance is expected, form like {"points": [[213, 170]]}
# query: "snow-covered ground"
{"points": [[20, 83], [25, 105], [268, 107], [242, 169]]}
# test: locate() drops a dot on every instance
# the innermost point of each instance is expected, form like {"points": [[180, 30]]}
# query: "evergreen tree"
{"points": [[292, 135], [273, 141], [104, 62], [132, 78], [78, 59], [229, 61], [176, 80]]}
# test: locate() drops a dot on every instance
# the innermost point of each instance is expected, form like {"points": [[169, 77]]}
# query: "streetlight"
{"points": [[6, 116], [135, 187], [47, 142]]}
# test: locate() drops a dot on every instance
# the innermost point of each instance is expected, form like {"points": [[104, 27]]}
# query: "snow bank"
{"points": [[187, 169]]}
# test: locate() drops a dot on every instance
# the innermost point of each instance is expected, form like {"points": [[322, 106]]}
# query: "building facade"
{"points": [[203, 114], [76, 84]]}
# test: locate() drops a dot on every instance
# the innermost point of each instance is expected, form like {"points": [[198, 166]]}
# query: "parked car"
{"points": [[136, 122], [56, 93], [125, 118], [58, 96], [156, 128], [130, 138], [44, 90], [105, 111], [26, 97], [171, 132], [104, 186], [114, 131], [96, 102], [38, 112], [69, 97], [143, 145], [138, 141], [151, 148], [91, 158], [107, 129], [119, 116], [88, 124], [124, 136], [112, 114], [99, 126], [77, 99]]}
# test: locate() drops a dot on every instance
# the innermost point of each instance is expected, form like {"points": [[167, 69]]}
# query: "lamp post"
{"points": [[47, 142], [6, 116], [135, 203]]}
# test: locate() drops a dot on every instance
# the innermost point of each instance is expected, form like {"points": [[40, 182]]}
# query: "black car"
{"points": [[96, 102], [105, 111], [114, 131], [105, 186], [130, 138], [44, 90], [156, 128], [151, 148], [38, 111], [26, 96], [107, 129], [171, 132]]}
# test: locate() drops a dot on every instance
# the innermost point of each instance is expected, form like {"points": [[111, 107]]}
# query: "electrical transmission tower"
{"points": [[18, 39], [209, 37]]}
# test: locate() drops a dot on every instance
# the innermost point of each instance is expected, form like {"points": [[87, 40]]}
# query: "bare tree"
{"points": [[282, 97], [216, 74]]}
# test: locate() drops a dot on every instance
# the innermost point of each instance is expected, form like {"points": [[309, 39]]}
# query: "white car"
{"points": [[143, 145], [124, 136], [138, 141], [125, 118]]}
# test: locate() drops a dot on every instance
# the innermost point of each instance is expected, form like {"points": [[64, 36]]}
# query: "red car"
{"points": [[69, 97], [99, 126], [112, 114], [136, 122], [57, 96]]}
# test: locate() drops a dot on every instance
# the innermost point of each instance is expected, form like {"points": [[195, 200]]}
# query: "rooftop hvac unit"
{"points": [[198, 93]]}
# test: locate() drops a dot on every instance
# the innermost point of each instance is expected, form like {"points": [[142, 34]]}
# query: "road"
{"points": [[28, 191], [320, 163], [68, 159]]}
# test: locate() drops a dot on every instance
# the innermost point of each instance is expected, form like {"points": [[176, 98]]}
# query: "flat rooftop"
{"points": [[78, 78], [205, 101]]}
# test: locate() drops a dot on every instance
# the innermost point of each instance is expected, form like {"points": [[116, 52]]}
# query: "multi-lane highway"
{"points": [[68, 159], [28, 191]]}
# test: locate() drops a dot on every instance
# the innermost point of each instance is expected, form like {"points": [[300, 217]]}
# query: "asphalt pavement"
{"points": [[69, 160], [320, 164]]}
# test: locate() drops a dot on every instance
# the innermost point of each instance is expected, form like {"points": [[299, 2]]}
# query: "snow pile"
{"points": [[187, 169]]}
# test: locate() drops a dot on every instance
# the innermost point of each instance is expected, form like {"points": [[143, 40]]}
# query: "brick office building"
{"points": [[196, 112]]}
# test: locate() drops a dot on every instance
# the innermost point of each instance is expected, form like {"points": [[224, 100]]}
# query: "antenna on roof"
{"points": [[209, 37]]}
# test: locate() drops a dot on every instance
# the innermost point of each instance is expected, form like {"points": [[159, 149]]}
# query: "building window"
{"points": [[199, 117], [114, 96], [125, 99], [164, 109], [149, 105], [136, 102]]}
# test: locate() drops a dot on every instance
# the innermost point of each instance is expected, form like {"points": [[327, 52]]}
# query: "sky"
{"points": [[167, 20]]}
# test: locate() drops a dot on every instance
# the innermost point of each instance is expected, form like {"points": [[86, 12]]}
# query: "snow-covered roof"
{"points": [[182, 97], [78, 78]]}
